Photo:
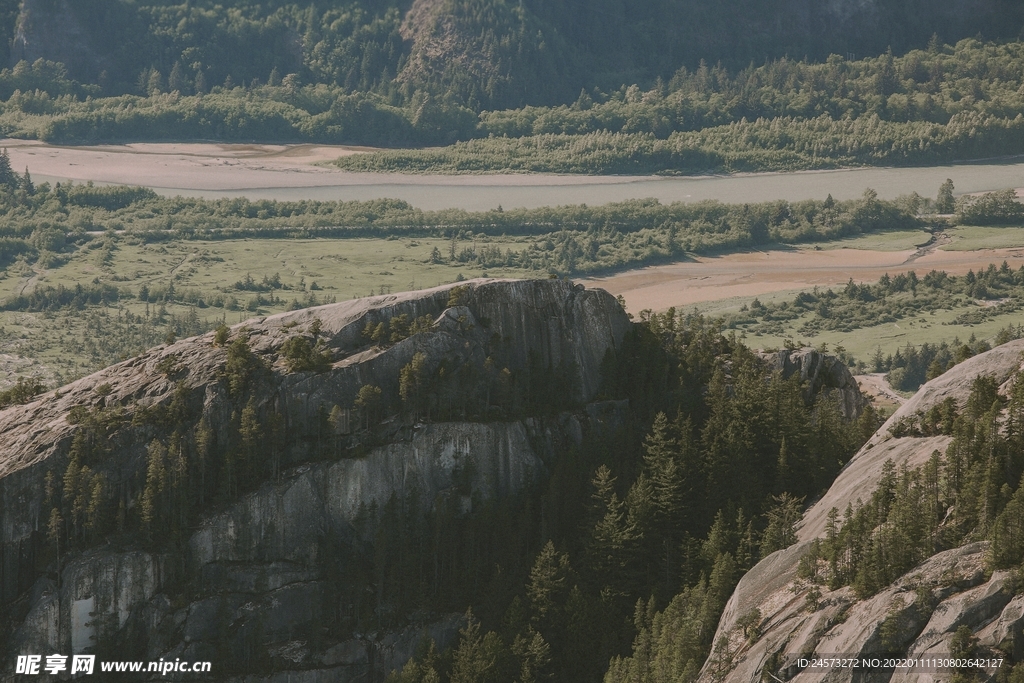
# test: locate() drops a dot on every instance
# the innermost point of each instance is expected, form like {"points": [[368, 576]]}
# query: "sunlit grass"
{"points": [[971, 238]]}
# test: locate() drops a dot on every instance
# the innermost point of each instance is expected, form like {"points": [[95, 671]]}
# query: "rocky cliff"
{"points": [[819, 372], [478, 388], [952, 589]]}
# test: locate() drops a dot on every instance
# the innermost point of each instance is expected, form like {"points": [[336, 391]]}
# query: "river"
{"points": [[287, 173]]}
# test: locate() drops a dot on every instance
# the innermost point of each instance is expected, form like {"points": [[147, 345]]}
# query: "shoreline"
{"points": [[299, 172]]}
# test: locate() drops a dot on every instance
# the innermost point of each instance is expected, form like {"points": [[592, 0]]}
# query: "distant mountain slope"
{"points": [[486, 53]]}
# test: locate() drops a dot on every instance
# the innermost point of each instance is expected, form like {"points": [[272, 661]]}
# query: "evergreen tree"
{"points": [[479, 658], [8, 178], [782, 519], [945, 202]]}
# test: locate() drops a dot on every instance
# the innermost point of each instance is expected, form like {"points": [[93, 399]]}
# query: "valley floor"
{"points": [[754, 273], [296, 172]]}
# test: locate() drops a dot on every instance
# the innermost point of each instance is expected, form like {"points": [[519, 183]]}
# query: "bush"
{"points": [[301, 356]]}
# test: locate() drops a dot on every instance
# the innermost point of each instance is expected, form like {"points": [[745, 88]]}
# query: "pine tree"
{"points": [[368, 402], [8, 178], [782, 519], [945, 202], [251, 442], [479, 658], [666, 477], [548, 587], [534, 656], [412, 383], [1007, 534], [177, 81], [152, 507], [613, 545]]}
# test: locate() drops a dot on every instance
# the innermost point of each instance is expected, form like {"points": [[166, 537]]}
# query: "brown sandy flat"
{"points": [[205, 166], [755, 273], [220, 166]]}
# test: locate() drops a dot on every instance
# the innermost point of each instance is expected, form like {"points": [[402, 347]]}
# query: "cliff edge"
{"points": [[775, 615], [215, 498]]}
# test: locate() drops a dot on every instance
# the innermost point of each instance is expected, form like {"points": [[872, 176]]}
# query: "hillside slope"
{"points": [[216, 499], [776, 615], [485, 53]]}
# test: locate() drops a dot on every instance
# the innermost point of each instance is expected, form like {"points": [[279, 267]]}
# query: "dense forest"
{"points": [[559, 579], [527, 89], [487, 54], [970, 492], [637, 524]]}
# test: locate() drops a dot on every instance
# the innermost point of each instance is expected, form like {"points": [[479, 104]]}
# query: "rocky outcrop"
{"points": [[263, 569], [930, 603], [819, 372]]}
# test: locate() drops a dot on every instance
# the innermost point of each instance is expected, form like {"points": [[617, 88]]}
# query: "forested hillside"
{"points": [[558, 465], [915, 551], [504, 53], [666, 86]]}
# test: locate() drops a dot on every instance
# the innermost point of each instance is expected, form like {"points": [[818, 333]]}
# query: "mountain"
{"points": [[475, 482], [320, 495], [484, 54], [957, 599], [232, 497]]}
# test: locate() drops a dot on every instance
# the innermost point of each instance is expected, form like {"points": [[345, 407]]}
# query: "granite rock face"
{"points": [[819, 372], [797, 618], [252, 577]]}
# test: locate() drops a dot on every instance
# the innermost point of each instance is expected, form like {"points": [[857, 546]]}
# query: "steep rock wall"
{"points": [[819, 372], [255, 568], [835, 622]]}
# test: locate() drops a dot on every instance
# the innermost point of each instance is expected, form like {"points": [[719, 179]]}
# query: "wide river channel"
{"points": [[479, 193], [286, 173]]}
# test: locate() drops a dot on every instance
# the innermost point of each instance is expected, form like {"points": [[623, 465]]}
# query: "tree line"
{"points": [[933, 105], [645, 538], [47, 223]]}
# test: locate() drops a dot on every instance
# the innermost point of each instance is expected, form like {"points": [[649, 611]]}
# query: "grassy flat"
{"points": [[932, 327], [972, 238], [897, 240], [60, 346]]}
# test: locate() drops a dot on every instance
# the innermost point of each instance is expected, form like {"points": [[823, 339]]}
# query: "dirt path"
{"points": [[178, 265], [938, 239], [31, 280], [875, 388]]}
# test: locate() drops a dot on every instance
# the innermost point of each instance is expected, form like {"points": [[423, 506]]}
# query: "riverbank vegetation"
{"points": [[43, 224], [129, 265], [928, 106]]}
